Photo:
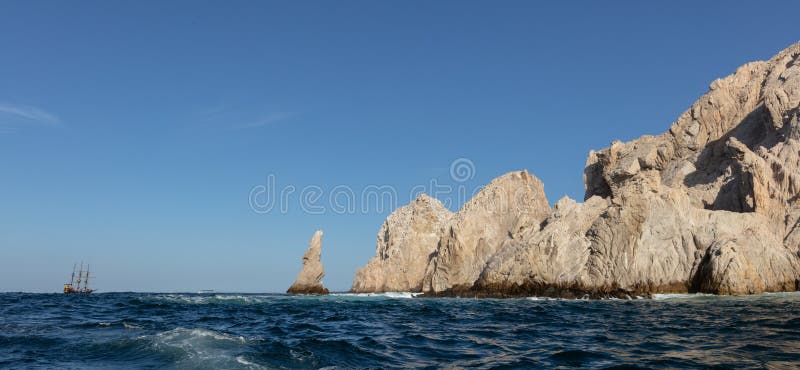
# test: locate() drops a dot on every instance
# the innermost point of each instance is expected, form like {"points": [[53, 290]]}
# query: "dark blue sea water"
{"points": [[115, 330]]}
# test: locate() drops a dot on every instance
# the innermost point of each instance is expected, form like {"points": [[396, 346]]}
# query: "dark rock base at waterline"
{"points": [[568, 291], [313, 290]]}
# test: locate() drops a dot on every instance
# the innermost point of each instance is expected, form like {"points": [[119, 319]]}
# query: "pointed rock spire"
{"points": [[309, 279]]}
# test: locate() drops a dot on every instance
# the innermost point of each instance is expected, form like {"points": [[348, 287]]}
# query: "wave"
{"points": [[389, 330], [717, 296], [106, 324], [194, 348], [582, 299], [682, 296], [130, 326], [248, 364], [186, 336], [212, 299], [782, 294], [663, 296], [380, 295], [234, 299]]}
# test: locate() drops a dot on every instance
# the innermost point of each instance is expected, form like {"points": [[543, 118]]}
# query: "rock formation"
{"points": [[712, 205], [507, 205], [309, 279], [405, 243]]}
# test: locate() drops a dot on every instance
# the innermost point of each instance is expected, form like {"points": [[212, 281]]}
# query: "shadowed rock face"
{"points": [[709, 206], [309, 279]]}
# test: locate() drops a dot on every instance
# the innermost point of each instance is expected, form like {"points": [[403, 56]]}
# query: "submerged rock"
{"points": [[309, 278], [712, 205]]}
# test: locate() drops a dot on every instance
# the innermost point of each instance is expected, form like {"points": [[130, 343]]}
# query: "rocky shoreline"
{"points": [[528, 289], [710, 206]]}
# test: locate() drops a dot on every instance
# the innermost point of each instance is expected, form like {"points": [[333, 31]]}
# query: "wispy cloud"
{"points": [[28, 113], [213, 111], [268, 120], [228, 117]]}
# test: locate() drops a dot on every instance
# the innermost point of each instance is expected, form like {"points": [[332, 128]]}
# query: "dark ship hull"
{"points": [[68, 289]]}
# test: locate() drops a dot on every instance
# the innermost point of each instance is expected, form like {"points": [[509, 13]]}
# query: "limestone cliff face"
{"points": [[309, 278], [712, 205], [509, 204], [405, 243], [425, 247], [709, 206]]}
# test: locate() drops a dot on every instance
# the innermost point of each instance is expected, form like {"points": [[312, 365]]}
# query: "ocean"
{"points": [[257, 331]]}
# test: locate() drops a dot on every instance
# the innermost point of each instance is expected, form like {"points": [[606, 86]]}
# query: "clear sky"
{"points": [[133, 134]]}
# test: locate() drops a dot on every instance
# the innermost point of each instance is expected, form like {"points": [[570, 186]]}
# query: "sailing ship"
{"points": [[81, 284]]}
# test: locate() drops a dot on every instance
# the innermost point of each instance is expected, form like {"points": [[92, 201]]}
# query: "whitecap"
{"points": [[402, 295], [681, 296], [541, 298], [248, 364], [782, 294], [707, 295], [579, 299], [209, 299], [199, 347], [191, 334], [239, 298], [130, 326]]}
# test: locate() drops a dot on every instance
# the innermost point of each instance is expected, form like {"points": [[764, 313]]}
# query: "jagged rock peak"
{"points": [[404, 244], [709, 206], [508, 204], [309, 278], [712, 205], [756, 105]]}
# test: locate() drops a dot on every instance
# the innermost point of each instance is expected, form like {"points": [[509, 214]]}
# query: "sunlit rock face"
{"points": [[509, 204], [405, 243], [309, 279], [425, 247], [709, 206]]}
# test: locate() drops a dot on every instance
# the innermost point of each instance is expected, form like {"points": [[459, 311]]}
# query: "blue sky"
{"points": [[133, 133]]}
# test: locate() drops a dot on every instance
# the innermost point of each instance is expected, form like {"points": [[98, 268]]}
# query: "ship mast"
{"points": [[86, 280], [72, 279], [80, 277], [79, 283]]}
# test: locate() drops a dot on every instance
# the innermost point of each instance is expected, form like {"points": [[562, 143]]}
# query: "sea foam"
{"points": [[378, 295]]}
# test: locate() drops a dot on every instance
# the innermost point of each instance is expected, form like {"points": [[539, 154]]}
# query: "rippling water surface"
{"points": [[277, 331]]}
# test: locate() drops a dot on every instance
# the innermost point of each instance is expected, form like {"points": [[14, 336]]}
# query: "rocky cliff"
{"points": [[406, 241], [509, 204], [309, 278], [709, 206]]}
